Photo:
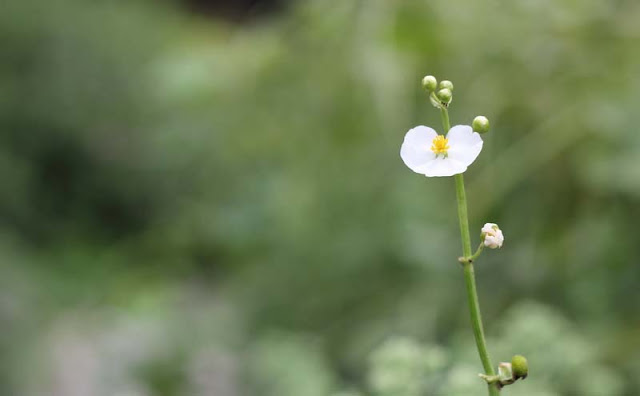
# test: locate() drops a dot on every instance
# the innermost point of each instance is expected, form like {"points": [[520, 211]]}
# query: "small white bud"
{"points": [[492, 236]]}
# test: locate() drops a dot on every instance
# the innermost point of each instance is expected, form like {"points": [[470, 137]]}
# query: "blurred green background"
{"points": [[207, 198]]}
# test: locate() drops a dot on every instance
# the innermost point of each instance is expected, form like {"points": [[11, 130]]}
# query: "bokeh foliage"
{"points": [[196, 207]]}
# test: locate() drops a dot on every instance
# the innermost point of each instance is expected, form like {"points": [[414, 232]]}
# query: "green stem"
{"points": [[477, 253], [462, 215], [469, 277], [476, 324]]}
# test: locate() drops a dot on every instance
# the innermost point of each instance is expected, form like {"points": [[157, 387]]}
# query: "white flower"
{"points": [[426, 152], [492, 234]]}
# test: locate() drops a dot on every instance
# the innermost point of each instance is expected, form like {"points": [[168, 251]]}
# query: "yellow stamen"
{"points": [[440, 145]]}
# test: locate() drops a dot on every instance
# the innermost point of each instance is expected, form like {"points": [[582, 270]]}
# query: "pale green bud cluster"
{"points": [[439, 94], [445, 92]]}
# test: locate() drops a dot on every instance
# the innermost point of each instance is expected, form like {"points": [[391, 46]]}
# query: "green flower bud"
{"points": [[446, 84], [444, 95], [519, 366], [429, 83], [480, 124]]}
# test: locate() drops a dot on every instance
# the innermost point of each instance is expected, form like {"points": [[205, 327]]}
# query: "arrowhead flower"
{"points": [[426, 152], [430, 154]]}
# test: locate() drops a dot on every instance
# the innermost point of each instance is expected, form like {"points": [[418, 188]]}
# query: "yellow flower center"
{"points": [[440, 145]]}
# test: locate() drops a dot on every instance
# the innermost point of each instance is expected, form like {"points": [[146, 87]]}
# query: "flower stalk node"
{"points": [[508, 373]]}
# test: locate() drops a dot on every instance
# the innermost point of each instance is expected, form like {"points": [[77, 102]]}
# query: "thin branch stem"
{"points": [[477, 253], [444, 113]]}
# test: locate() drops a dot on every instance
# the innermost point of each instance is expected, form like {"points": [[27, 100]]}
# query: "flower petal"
{"points": [[465, 145], [416, 148], [442, 167]]}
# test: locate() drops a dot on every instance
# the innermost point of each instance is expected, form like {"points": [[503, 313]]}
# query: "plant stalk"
{"points": [[469, 277]]}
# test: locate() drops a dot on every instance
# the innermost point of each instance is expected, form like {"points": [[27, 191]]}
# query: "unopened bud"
{"points": [[446, 84], [480, 124], [492, 236], [519, 366], [429, 83], [444, 95]]}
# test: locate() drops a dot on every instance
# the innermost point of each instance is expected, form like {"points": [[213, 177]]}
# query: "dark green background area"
{"points": [[211, 201]]}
